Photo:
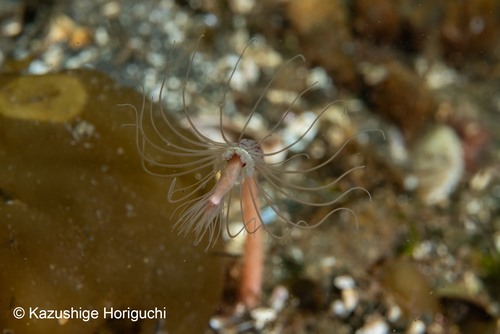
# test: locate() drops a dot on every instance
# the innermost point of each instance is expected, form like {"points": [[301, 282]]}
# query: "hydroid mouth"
{"points": [[248, 163]]}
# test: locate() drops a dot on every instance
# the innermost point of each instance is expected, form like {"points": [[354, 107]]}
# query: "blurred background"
{"points": [[81, 225]]}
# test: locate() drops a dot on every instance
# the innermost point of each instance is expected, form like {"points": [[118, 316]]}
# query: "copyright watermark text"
{"points": [[87, 315]]}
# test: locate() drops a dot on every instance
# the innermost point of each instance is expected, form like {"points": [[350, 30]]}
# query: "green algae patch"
{"points": [[50, 97], [83, 226]]}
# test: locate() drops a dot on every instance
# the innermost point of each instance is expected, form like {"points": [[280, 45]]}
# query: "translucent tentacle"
{"points": [[263, 93], [226, 87], [198, 133]]}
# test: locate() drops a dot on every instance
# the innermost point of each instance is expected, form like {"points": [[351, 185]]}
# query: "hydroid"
{"points": [[229, 163]]}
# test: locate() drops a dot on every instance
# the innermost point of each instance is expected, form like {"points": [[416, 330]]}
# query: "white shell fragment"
{"points": [[263, 315], [349, 295], [438, 164], [350, 298]]}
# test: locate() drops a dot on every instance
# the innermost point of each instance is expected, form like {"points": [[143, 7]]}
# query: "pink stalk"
{"points": [[226, 182], [253, 261]]}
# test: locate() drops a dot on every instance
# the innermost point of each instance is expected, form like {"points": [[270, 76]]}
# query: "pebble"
{"points": [[338, 308], [281, 96], [37, 67], [111, 9], [246, 74], [394, 313], [12, 13], [279, 297], [54, 56], [327, 264], [397, 146], [217, 322], [350, 298], [423, 250], [243, 7], [343, 307], [497, 241], [324, 81], [296, 128], [373, 74], [377, 326], [12, 27], [344, 282], [416, 327], [101, 36], [440, 75], [473, 284], [482, 179]]}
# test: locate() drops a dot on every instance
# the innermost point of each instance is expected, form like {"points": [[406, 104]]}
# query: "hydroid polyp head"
{"points": [[229, 163]]}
